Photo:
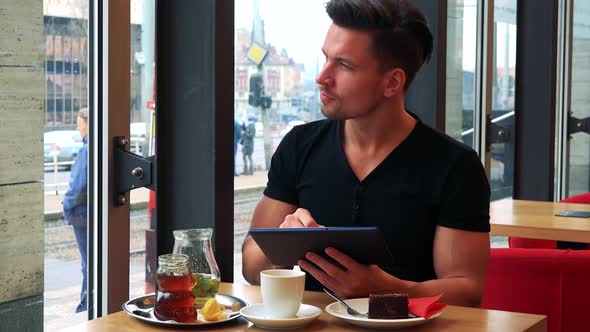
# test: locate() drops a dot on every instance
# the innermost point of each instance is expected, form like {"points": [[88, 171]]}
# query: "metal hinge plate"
{"points": [[131, 171], [576, 125], [497, 133]]}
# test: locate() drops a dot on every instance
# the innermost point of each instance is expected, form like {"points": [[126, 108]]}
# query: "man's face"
{"points": [[82, 127], [350, 82]]}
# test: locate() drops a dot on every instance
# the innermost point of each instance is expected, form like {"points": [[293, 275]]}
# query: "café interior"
{"points": [[508, 78]]}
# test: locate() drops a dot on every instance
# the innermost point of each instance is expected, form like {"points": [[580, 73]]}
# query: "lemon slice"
{"points": [[213, 311]]}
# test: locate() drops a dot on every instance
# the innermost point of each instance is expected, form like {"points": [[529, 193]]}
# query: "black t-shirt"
{"points": [[428, 180]]}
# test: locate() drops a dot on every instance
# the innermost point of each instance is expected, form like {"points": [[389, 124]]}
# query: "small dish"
{"points": [[337, 310], [257, 315], [142, 308]]}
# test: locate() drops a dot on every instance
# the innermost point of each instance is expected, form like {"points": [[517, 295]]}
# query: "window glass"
{"points": [[142, 234], [502, 159], [579, 154], [288, 73], [65, 30], [461, 60]]}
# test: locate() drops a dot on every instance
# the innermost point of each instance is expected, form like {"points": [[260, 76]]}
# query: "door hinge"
{"points": [[131, 171], [576, 125], [497, 133]]}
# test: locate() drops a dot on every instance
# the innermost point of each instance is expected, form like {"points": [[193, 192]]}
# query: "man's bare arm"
{"points": [[460, 261], [269, 213]]}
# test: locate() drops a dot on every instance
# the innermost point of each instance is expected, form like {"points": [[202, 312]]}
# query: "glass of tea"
{"points": [[174, 299]]}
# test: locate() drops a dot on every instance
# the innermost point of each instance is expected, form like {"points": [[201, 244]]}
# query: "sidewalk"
{"points": [[139, 197]]}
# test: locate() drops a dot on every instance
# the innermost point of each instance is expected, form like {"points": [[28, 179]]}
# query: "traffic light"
{"points": [[68, 65], [76, 69], [256, 90]]}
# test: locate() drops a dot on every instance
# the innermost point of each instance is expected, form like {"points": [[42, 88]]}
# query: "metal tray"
{"points": [[142, 308]]}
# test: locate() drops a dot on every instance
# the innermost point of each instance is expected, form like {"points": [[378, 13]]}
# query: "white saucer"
{"points": [[257, 315], [362, 305]]}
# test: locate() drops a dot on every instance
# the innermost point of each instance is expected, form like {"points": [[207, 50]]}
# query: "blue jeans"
{"points": [[80, 232]]}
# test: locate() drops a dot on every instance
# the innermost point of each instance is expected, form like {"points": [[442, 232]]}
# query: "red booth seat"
{"points": [[542, 281], [521, 242], [579, 199], [518, 242]]}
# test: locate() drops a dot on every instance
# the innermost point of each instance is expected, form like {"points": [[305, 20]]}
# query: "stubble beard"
{"points": [[332, 112]]}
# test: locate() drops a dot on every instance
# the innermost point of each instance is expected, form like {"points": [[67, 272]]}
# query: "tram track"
{"points": [[60, 242]]}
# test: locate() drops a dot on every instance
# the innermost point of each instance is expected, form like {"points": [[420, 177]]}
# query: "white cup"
{"points": [[282, 292]]}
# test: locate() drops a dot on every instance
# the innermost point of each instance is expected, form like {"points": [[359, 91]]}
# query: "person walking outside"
{"points": [[76, 201], [249, 129], [237, 137]]}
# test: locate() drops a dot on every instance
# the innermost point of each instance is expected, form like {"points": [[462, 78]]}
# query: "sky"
{"points": [[300, 26]]}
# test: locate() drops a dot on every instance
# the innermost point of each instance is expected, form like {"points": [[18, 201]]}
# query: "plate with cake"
{"points": [[385, 311]]}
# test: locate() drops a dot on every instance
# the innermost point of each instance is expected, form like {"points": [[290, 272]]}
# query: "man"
{"points": [[237, 138], [76, 200], [249, 131], [372, 163]]}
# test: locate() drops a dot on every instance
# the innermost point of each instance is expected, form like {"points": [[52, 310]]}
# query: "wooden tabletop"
{"points": [[453, 318], [537, 220]]}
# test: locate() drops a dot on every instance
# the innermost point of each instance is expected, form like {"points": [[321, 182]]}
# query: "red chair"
{"points": [[518, 242], [541, 281], [579, 199]]}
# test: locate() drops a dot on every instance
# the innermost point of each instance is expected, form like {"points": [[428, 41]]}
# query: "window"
{"points": [[293, 60]]}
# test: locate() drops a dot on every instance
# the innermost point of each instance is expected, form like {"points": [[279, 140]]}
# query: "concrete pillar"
{"points": [[22, 93]]}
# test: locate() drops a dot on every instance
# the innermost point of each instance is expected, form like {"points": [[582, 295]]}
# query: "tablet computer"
{"points": [[574, 214], [286, 246]]}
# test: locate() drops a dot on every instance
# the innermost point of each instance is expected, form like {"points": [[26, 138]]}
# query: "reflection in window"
{"points": [[461, 60], [502, 163], [461, 71]]}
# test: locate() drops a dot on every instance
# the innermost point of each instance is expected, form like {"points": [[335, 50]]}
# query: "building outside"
{"points": [[283, 82]]}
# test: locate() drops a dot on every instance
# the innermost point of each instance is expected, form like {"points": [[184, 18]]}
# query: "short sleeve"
{"points": [[282, 174], [465, 197]]}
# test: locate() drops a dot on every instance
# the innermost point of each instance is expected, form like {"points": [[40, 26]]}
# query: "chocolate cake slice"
{"points": [[388, 306]]}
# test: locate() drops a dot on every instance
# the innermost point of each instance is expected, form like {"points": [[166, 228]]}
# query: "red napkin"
{"points": [[425, 306]]}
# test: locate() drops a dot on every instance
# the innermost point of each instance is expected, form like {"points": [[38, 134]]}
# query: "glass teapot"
{"points": [[196, 244]]}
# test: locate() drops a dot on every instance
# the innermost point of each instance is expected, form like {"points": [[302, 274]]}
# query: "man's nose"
{"points": [[324, 77]]}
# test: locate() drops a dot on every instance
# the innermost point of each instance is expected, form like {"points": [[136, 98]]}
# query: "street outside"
{"points": [[59, 180]]}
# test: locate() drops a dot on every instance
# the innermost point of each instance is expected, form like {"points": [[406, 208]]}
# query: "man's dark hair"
{"points": [[401, 36]]}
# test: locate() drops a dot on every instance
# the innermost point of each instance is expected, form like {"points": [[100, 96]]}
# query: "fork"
{"points": [[349, 309]]}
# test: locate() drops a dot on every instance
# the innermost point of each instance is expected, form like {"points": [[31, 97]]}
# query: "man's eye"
{"points": [[345, 65]]}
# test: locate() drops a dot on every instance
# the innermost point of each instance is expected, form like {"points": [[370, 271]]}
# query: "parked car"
{"points": [[139, 138], [62, 144]]}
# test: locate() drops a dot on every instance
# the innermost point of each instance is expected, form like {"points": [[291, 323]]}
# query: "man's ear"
{"points": [[395, 80]]}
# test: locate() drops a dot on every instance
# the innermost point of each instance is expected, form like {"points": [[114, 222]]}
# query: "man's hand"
{"points": [[299, 219], [356, 280]]}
